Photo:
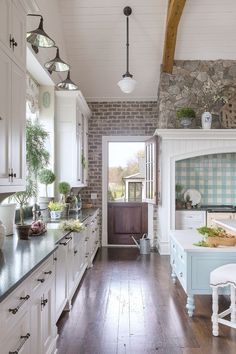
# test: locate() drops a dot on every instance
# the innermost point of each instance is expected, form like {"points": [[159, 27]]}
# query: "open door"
{"points": [[152, 170]]}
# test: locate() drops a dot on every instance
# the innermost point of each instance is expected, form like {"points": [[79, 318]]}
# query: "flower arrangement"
{"points": [[72, 225], [55, 206]]}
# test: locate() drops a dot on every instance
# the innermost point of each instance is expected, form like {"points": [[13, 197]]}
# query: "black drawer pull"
{"points": [[23, 300], [49, 272], [66, 242], [44, 302], [25, 338], [41, 280], [75, 251], [55, 259]]}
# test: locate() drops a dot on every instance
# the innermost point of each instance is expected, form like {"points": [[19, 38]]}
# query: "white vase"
{"points": [[2, 235], [7, 216], [206, 120], [55, 214]]}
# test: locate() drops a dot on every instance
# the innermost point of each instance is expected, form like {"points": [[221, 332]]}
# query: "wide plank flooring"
{"points": [[127, 304]]}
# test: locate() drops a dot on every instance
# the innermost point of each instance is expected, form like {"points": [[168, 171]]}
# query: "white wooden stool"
{"points": [[222, 277]]}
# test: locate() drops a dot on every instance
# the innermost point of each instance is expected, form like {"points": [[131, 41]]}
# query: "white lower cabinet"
{"points": [[218, 216], [29, 314]]}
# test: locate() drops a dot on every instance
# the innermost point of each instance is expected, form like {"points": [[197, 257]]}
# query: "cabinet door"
{"points": [[18, 32], [18, 116], [5, 105], [60, 300], [5, 23], [79, 140], [218, 216], [48, 317], [19, 340], [70, 266], [152, 170]]}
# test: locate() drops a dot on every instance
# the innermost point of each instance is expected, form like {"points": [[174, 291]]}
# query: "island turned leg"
{"points": [[215, 308], [190, 305], [233, 304]]}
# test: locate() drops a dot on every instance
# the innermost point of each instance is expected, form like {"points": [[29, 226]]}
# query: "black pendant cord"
{"points": [[127, 12], [127, 45]]}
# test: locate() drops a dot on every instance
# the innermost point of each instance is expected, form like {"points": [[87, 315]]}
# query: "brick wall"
{"points": [[117, 119]]}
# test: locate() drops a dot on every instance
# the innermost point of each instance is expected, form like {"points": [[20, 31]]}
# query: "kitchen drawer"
{"points": [[14, 307], [18, 340], [42, 275], [188, 219]]}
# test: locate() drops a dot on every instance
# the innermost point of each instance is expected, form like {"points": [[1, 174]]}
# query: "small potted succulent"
{"points": [[185, 115], [55, 209], [64, 189], [45, 177]]}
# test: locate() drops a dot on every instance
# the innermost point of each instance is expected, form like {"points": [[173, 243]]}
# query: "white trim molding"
{"points": [[178, 144]]}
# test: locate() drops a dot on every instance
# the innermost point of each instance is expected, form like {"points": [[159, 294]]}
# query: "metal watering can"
{"points": [[143, 245]]}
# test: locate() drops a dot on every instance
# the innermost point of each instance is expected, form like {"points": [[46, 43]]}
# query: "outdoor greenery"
{"points": [[46, 177], [37, 157], [116, 174]]}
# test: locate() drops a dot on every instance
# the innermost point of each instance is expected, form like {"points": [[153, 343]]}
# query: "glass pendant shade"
{"points": [[56, 64], [67, 84], [39, 38], [127, 84]]}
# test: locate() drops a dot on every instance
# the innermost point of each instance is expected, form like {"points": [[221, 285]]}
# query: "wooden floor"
{"points": [[128, 304]]}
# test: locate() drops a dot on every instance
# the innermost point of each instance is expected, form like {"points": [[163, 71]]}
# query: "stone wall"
{"points": [[192, 84]]}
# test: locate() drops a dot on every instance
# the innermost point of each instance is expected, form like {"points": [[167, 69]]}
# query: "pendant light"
{"points": [[56, 64], [67, 84], [39, 38], [127, 84]]}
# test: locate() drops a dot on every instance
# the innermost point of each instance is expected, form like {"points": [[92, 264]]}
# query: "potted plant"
{"points": [[185, 115], [45, 177], [64, 189], [22, 199], [55, 209]]}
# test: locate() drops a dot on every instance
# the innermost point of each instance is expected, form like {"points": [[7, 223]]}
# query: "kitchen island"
{"points": [[192, 264]]}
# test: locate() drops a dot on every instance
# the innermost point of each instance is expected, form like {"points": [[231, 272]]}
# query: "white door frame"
{"points": [[105, 141]]}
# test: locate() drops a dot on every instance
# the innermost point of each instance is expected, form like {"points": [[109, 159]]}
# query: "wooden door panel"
{"points": [[125, 219]]}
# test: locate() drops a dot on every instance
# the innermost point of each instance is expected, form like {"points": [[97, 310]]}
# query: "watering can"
{"points": [[143, 245]]}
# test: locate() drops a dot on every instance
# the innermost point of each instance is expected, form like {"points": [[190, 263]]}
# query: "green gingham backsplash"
{"points": [[214, 176]]}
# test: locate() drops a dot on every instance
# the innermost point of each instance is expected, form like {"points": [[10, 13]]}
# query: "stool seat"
{"points": [[223, 275]]}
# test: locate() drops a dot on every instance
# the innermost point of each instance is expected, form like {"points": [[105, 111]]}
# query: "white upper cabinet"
{"points": [[12, 95], [72, 114], [13, 30]]}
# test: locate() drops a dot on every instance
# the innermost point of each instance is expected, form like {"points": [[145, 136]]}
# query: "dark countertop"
{"points": [[19, 258]]}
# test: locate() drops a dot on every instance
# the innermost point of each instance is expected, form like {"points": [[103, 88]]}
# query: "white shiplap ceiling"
{"points": [[95, 34]]}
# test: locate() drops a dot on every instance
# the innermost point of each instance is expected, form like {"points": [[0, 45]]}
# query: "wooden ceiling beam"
{"points": [[175, 9]]}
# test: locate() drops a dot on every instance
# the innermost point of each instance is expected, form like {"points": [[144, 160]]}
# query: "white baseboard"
{"points": [[164, 248]]}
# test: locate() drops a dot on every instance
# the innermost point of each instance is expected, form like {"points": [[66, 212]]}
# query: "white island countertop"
{"points": [[186, 239], [228, 224]]}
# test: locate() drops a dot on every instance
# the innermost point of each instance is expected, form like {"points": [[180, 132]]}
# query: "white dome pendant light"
{"points": [[127, 84]]}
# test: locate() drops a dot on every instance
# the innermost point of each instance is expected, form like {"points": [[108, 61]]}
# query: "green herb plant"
{"points": [[186, 112], [64, 188], [55, 206]]}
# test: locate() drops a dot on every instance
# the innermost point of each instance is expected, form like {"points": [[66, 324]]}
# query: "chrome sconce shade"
{"points": [[67, 84], [56, 64], [127, 84], [38, 37]]}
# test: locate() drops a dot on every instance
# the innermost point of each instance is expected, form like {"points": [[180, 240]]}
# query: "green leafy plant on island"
{"points": [[64, 189], [46, 177]]}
